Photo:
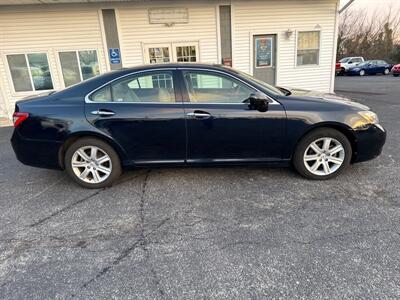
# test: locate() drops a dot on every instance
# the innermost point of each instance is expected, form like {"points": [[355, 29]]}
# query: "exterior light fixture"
{"points": [[288, 33]]}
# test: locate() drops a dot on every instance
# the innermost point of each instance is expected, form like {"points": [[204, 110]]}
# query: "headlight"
{"points": [[369, 116]]}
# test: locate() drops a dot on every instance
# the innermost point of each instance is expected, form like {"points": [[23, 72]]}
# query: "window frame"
{"points": [[59, 66], [180, 88], [11, 81], [172, 50], [141, 73], [297, 48]]}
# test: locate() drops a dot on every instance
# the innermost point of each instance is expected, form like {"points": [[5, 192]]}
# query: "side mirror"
{"points": [[258, 101], [350, 62]]}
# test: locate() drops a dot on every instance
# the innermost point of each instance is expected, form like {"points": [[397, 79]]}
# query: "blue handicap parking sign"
{"points": [[115, 56]]}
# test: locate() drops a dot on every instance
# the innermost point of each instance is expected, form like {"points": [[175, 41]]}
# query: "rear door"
{"points": [[144, 113], [221, 128]]}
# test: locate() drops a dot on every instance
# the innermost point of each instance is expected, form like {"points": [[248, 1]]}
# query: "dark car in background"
{"points": [[370, 67], [190, 115]]}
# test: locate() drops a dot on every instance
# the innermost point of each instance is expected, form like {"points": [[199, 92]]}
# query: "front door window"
{"points": [[204, 87]]}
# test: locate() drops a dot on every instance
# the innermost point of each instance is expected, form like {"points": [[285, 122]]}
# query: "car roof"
{"points": [[178, 65]]}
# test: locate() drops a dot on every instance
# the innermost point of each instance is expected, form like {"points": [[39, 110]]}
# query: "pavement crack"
{"points": [[142, 242], [360, 233], [65, 208]]}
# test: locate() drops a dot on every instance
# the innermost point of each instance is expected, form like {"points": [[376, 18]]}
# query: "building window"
{"points": [[186, 54], [30, 72], [159, 55], [308, 44], [77, 66]]}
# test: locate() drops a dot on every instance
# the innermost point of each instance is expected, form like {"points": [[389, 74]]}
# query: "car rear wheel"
{"points": [[396, 75], [92, 163], [362, 72], [322, 154], [386, 72]]}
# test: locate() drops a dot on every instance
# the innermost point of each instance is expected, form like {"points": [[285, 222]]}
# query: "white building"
{"points": [[50, 44]]}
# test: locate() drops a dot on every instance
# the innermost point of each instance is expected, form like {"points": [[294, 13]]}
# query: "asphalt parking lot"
{"points": [[208, 233]]}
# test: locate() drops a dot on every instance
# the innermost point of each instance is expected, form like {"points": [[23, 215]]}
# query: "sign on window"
{"points": [[263, 52]]}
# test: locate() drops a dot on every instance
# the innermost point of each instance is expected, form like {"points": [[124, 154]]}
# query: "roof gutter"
{"points": [[346, 6]]}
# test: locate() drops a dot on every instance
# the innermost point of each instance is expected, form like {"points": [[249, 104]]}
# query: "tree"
{"points": [[374, 36]]}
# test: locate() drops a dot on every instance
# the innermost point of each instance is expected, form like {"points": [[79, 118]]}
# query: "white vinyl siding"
{"points": [[47, 30], [276, 17], [136, 33], [52, 29]]}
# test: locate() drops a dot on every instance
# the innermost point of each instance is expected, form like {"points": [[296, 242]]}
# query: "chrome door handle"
{"points": [[199, 115], [103, 112]]}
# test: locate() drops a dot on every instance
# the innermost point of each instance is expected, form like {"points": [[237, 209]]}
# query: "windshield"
{"points": [[344, 60], [269, 88]]}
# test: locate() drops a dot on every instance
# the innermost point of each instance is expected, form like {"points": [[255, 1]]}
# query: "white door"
{"points": [[172, 52]]}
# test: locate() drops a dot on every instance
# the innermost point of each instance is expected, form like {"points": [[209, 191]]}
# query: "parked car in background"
{"points": [[370, 67], [190, 114], [346, 63], [396, 70]]}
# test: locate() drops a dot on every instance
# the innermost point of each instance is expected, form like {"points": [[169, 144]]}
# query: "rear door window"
{"points": [[144, 88]]}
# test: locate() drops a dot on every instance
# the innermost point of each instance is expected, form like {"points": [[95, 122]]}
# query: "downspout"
{"points": [[333, 63]]}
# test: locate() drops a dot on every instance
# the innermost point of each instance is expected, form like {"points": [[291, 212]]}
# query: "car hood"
{"points": [[323, 97]]}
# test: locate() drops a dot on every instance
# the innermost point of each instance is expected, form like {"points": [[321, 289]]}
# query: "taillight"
{"points": [[19, 117]]}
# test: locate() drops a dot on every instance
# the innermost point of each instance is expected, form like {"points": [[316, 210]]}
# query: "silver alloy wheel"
{"points": [[386, 71], [324, 156], [91, 164], [362, 73]]}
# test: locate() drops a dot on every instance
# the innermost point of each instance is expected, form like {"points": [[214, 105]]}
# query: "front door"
{"points": [[144, 114], [221, 128], [264, 58]]}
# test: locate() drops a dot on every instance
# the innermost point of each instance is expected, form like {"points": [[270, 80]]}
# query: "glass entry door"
{"points": [[172, 52]]}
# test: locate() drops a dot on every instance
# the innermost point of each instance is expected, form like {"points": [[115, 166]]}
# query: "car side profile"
{"points": [[346, 63], [370, 67], [190, 115]]}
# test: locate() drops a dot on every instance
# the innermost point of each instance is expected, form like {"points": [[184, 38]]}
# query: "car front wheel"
{"points": [[362, 73], [322, 154], [92, 163], [386, 72]]}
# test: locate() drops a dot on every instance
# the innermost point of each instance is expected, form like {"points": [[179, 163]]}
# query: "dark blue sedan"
{"points": [[370, 67], [190, 114]]}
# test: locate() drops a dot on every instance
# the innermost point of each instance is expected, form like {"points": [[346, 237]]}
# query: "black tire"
{"points": [[362, 73], [116, 169], [298, 156], [396, 75], [386, 71]]}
